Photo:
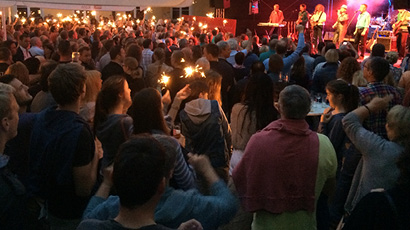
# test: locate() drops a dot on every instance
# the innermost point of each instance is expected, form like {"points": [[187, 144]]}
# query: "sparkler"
{"points": [[210, 15], [189, 71], [163, 81]]}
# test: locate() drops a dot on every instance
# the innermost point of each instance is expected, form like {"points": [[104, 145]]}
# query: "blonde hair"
{"points": [[203, 63], [93, 85], [332, 56], [20, 71], [214, 81], [358, 79], [397, 118]]}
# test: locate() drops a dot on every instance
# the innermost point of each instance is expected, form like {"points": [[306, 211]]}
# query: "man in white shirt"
{"points": [[362, 29]]}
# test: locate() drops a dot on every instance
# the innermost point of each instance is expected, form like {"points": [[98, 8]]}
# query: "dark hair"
{"points": [[212, 49], [134, 51], [378, 50], [114, 51], [257, 67], [8, 44], [298, 73], [32, 64], [66, 83], [23, 36], [45, 71], [403, 163], [329, 46], [197, 87], [146, 112], [108, 98], [239, 58], [281, 47], [5, 54], [347, 68], [64, 48], [7, 78], [139, 168], [258, 99], [275, 63], [146, 43], [350, 93], [83, 48], [320, 46], [380, 67]]}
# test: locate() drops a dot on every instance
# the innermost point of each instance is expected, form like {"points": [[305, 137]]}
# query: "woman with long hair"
{"points": [[112, 125], [298, 73], [93, 85], [347, 68], [214, 81], [254, 112], [147, 115]]}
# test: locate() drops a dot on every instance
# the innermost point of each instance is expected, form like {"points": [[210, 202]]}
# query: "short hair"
{"points": [[197, 87], [7, 78], [183, 43], [46, 69], [23, 36], [146, 43], [176, 59], [218, 37], [5, 54], [272, 44], [397, 118], [64, 48], [257, 67], [32, 64], [365, 5], [139, 168], [392, 57], [239, 58], [114, 51], [378, 50], [83, 49], [294, 102], [233, 43], [34, 40], [6, 94], [332, 56], [8, 44], [380, 67], [281, 47], [66, 83], [159, 54], [222, 45], [203, 63], [212, 49]]}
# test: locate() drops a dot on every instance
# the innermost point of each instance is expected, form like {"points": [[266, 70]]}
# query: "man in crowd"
{"points": [[13, 211], [36, 48], [117, 54], [63, 166], [5, 60], [86, 59], [374, 71], [147, 54], [285, 167], [276, 17], [23, 49]]}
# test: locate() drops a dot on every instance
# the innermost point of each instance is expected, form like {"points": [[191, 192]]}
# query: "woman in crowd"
{"points": [[343, 98], [377, 168], [252, 114], [347, 69], [134, 75], [112, 125], [92, 88], [146, 112]]}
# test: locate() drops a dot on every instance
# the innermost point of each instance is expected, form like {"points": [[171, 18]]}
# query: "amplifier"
{"points": [[386, 41], [385, 33]]}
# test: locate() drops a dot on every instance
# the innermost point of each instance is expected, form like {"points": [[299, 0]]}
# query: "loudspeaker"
{"points": [[401, 4], [384, 41]]}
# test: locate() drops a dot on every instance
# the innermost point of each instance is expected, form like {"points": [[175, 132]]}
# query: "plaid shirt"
{"points": [[376, 121], [146, 59]]}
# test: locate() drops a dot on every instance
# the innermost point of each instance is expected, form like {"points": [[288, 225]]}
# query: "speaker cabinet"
{"points": [[386, 41]]}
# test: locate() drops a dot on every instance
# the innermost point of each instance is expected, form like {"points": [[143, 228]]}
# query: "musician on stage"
{"points": [[276, 17], [362, 29], [317, 21], [400, 29], [341, 25], [303, 16]]}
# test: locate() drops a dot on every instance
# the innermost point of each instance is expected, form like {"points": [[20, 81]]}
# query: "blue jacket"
{"points": [[177, 206]]}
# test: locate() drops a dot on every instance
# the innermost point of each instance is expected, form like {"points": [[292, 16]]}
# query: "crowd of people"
{"points": [[164, 126]]}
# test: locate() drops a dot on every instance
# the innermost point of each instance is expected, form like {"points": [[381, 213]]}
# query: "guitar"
{"points": [[372, 41], [396, 27]]}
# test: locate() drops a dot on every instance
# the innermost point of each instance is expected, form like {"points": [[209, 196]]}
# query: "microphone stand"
{"points": [[352, 18]]}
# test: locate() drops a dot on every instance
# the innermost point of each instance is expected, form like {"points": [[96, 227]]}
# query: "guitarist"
{"points": [[401, 31], [362, 29], [318, 20], [340, 26], [303, 18]]}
